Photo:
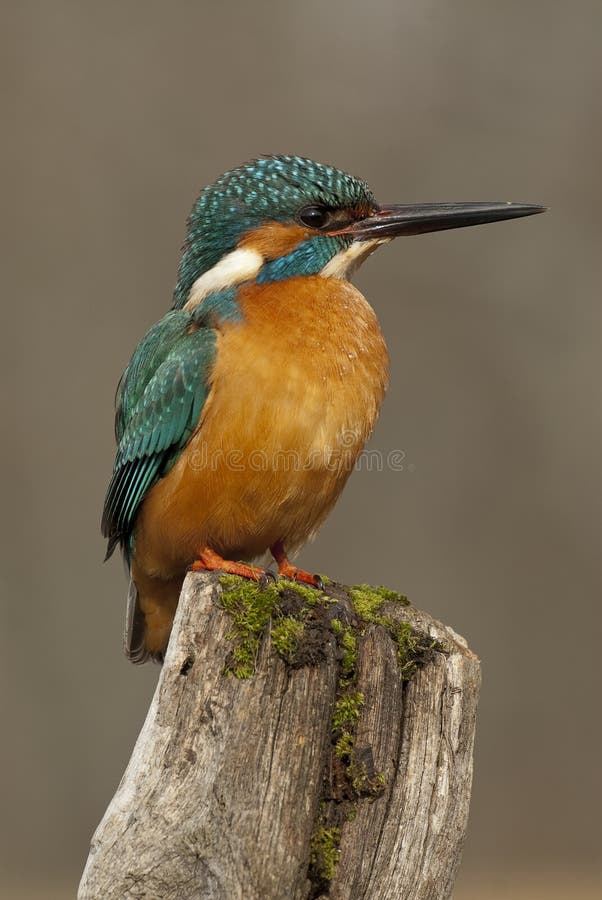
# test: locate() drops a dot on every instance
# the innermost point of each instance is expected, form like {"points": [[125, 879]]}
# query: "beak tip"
{"points": [[420, 218], [530, 209]]}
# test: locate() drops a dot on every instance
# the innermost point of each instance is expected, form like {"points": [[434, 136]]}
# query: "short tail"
{"points": [[135, 628], [149, 617]]}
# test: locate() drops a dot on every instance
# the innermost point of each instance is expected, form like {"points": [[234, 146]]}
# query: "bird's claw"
{"points": [[266, 577], [301, 577]]}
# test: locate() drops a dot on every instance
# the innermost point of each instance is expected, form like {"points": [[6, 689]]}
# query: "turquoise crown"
{"points": [[269, 189]]}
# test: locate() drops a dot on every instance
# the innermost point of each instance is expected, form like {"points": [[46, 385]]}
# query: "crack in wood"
{"points": [[222, 793]]}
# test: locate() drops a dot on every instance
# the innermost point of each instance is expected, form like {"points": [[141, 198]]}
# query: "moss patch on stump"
{"points": [[303, 622]]}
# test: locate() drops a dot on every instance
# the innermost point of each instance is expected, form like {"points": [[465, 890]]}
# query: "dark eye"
{"points": [[314, 216]]}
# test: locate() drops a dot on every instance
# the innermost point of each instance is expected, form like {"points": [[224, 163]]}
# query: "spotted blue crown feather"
{"points": [[272, 188]]}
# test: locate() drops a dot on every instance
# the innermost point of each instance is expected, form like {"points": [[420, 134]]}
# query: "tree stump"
{"points": [[300, 744]]}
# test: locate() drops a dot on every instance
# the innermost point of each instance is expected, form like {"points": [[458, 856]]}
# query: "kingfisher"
{"points": [[243, 410]]}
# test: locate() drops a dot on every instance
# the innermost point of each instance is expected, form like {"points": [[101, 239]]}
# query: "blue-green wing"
{"points": [[158, 405]]}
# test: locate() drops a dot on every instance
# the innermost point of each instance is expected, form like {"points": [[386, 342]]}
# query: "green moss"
{"points": [[347, 710], [251, 606], [367, 600], [363, 783], [347, 641], [412, 647], [311, 595], [325, 851], [344, 746], [346, 713], [337, 627], [286, 635]]}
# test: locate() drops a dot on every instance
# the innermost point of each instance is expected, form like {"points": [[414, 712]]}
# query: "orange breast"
{"points": [[295, 393]]}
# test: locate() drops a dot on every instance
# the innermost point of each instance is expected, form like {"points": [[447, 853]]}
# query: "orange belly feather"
{"points": [[295, 393]]}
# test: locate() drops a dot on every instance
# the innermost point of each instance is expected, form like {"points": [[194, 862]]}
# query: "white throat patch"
{"points": [[240, 265], [346, 261]]}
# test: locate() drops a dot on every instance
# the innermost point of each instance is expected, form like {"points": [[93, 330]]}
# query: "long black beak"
{"points": [[419, 218]]}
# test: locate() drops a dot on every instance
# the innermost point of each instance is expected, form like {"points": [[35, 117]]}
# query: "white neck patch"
{"points": [[346, 261], [240, 265], [244, 263]]}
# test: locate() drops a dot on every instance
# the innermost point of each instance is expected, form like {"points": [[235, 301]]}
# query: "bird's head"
{"points": [[283, 216]]}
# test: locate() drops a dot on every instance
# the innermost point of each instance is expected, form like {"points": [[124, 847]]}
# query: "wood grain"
{"points": [[230, 778]]}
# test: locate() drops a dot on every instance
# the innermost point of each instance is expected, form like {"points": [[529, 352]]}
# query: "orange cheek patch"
{"points": [[274, 239]]}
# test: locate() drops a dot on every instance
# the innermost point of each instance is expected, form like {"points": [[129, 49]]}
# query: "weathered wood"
{"points": [[230, 778]]}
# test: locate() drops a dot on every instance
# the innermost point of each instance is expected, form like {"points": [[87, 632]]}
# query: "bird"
{"points": [[242, 411]]}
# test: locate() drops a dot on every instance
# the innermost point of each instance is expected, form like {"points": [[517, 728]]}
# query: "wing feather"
{"points": [[158, 404]]}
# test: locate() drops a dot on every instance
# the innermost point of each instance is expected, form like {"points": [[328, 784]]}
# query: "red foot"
{"points": [[288, 570], [210, 561]]}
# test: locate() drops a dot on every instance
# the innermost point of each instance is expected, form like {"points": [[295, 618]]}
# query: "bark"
{"points": [[235, 788]]}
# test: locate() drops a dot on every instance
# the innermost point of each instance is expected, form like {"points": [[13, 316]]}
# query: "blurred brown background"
{"points": [[115, 114]]}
